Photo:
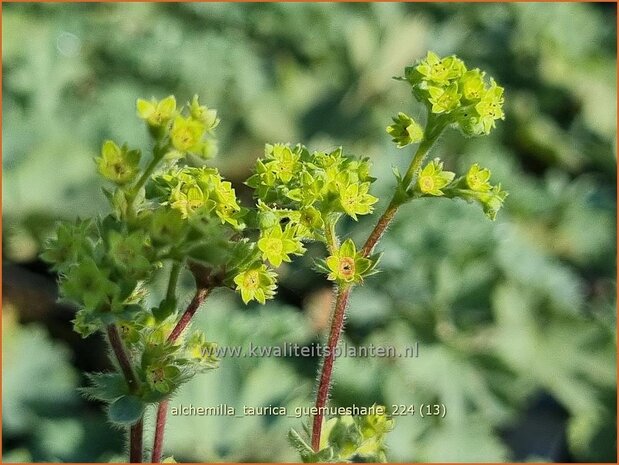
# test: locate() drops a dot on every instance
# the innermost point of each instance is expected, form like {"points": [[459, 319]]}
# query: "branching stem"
{"points": [[409, 179], [192, 308], [433, 130], [135, 433], [162, 409]]}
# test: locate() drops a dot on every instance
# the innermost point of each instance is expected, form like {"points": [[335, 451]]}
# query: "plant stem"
{"points": [[135, 432], [123, 357], [389, 214], [415, 164], [379, 229], [331, 236], [192, 308], [324, 383], [162, 412], [132, 194], [162, 409], [147, 172], [433, 129], [174, 274]]}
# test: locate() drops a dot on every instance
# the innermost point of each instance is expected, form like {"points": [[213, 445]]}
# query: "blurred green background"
{"points": [[515, 320]]}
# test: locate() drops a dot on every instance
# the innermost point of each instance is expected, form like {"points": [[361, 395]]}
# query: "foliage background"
{"points": [[515, 320]]}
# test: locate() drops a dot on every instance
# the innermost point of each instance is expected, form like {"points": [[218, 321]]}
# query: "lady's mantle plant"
{"points": [[171, 212]]}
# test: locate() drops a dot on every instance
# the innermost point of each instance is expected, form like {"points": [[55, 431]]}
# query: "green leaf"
{"points": [[106, 387], [126, 410], [299, 444]]}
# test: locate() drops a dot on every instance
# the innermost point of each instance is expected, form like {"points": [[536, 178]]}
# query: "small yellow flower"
{"points": [[345, 265], [156, 113], [187, 134], [277, 245], [478, 178], [256, 284], [432, 178]]}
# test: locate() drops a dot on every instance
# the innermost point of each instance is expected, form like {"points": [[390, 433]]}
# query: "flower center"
{"points": [[274, 246], [475, 182], [157, 375], [185, 138], [157, 117], [347, 267], [426, 183], [251, 280]]}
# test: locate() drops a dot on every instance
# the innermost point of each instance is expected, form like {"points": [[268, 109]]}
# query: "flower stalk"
{"points": [[343, 293], [162, 409], [326, 371], [136, 430], [436, 82]]}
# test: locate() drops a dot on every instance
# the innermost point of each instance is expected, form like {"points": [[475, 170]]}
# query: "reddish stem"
{"points": [[379, 229], [162, 409], [123, 357], [322, 395], [162, 412], [136, 430], [192, 308], [337, 323], [135, 441]]}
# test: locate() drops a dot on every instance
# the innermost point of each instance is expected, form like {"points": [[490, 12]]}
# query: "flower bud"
{"points": [[405, 130]]}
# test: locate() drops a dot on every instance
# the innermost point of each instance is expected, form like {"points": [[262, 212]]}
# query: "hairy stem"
{"points": [[135, 432], [433, 129], [162, 412], [409, 178], [331, 236], [123, 357], [324, 383], [192, 308], [379, 229], [415, 164], [162, 409]]}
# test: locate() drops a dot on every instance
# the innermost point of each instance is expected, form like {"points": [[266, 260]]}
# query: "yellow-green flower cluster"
{"points": [[297, 191], [490, 197], [475, 186], [199, 192], [472, 102], [315, 183], [186, 131], [281, 232]]}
